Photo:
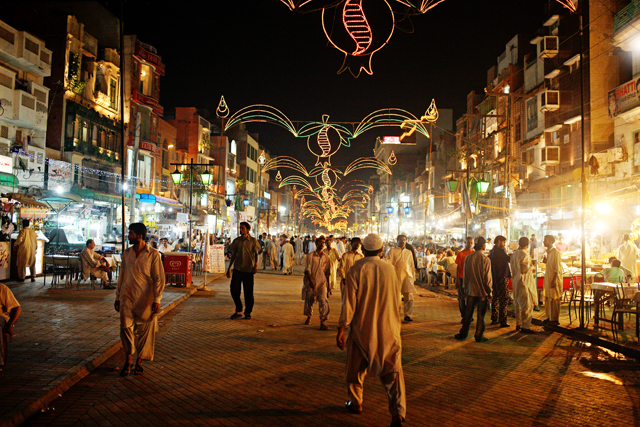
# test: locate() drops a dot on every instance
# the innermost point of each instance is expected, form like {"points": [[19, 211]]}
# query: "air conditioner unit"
{"points": [[549, 47], [550, 155], [550, 100], [615, 155], [527, 157]]}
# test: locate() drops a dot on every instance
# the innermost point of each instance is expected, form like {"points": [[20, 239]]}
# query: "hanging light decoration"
{"points": [[176, 176], [452, 185], [278, 177], [206, 177], [483, 187], [390, 210], [392, 158]]}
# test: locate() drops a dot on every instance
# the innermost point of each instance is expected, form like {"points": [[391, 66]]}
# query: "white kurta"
{"points": [[370, 309], [91, 262], [299, 251], [347, 261], [289, 256], [525, 292], [334, 259], [317, 268], [402, 261], [273, 254], [341, 248], [26, 257], [628, 254], [553, 275], [140, 284]]}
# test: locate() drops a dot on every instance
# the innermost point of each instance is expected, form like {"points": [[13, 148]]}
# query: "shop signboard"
{"points": [[624, 98], [182, 217], [146, 198], [6, 164], [60, 175], [152, 148]]}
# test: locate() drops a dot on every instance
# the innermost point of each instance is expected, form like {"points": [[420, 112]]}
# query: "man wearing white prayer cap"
{"points": [[401, 259], [371, 312]]}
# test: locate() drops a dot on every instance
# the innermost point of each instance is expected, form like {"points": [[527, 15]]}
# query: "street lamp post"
{"points": [[177, 176]]}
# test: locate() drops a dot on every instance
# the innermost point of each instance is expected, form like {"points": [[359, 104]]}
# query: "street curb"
{"points": [[22, 414]]}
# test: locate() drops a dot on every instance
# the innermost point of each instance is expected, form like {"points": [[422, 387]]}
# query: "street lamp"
{"points": [[390, 210], [176, 176], [206, 177], [452, 186], [483, 187], [407, 210], [246, 202]]}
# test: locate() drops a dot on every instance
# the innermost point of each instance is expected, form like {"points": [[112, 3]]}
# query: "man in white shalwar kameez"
{"points": [[401, 259], [628, 254], [525, 292], [334, 260], [299, 251], [138, 296], [552, 281], [26, 244], [347, 261], [288, 256], [273, 253], [371, 312], [316, 283], [342, 249]]}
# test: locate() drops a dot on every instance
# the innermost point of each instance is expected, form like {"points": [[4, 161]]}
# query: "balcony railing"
{"points": [[626, 15]]}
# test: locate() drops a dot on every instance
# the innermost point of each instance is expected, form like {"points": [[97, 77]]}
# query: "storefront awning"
{"points": [[54, 198], [109, 198], [83, 192], [8, 179], [169, 202]]}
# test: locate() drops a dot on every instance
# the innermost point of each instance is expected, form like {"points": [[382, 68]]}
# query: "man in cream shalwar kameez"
{"points": [[371, 312], [525, 292], [138, 296], [26, 244], [401, 259], [315, 284], [628, 254], [288, 256], [334, 259], [552, 281], [299, 250], [347, 261], [273, 253]]}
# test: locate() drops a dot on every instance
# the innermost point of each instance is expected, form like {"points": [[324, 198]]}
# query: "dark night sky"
{"points": [[260, 52]]}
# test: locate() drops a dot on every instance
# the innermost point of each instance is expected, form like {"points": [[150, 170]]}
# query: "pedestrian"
{"points": [[370, 311], [533, 242], [96, 265], [299, 251], [260, 254], [402, 261], [288, 256], [244, 253], [500, 274], [552, 281], [316, 283], [334, 258], [138, 296], [26, 256], [273, 253], [342, 248], [525, 293], [462, 296], [9, 312], [477, 283], [347, 261], [628, 254]]}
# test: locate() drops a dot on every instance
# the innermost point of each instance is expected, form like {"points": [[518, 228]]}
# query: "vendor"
{"points": [[561, 245]]}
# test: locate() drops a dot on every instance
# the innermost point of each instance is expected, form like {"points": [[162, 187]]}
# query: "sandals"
{"points": [[138, 370], [126, 370]]}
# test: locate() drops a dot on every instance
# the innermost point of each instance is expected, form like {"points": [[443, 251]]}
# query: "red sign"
{"points": [[391, 140], [151, 147], [148, 101], [151, 58], [177, 267]]}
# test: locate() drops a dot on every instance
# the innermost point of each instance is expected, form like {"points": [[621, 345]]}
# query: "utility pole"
{"points": [[134, 169]]}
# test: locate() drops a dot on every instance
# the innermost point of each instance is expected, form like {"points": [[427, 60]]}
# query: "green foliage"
{"points": [[76, 85]]}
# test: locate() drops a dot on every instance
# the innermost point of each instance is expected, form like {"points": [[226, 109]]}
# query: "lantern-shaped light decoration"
{"points": [[278, 177], [386, 218], [407, 210], [206, 177], [452, 185], [390, 210], [176, 176], [262, 158], [246, 202], [483, 187]]}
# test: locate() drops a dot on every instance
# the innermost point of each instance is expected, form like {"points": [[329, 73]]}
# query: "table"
{"points": [[604, 291]]}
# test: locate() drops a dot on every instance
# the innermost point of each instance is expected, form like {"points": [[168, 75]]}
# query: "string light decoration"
{"points": [[569, 4], [370, 190], [430, 116], [223, 110], [360, 28], [392, 158], [278, 177]]}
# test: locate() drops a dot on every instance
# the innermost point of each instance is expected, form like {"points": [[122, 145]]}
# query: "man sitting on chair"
{"points": [[93, 263]]}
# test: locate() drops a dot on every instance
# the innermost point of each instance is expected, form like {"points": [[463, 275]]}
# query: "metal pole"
{"points": [[583, 180], [190, 200], [122, 149]]}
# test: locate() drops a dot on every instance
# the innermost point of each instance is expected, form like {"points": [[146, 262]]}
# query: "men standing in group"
{"points": [[26, 244], [334, 258], [402, 261], [316, 283], [552, 281], [299, 250], [462, 296], [477, 284], [628, 254], [138, 296], [288, 256], [525, 293], [500, 274], [347, 261], [370, 306], [244, 253], [93, 263]]}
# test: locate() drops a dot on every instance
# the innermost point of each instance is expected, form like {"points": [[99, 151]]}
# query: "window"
{"points": [[146, 79], [84, 136], [231, 162], [145, 124], [233, 147], [113, 93], [40, 95], [165, 156], [4, 130], [103, 138], [45, 57], [31, 46], [7, 35], [5, 80], [532, 114], [28, 102]]}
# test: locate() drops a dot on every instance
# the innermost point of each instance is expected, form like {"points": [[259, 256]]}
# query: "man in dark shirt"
{"points": [[500, 273], [244, 253]]}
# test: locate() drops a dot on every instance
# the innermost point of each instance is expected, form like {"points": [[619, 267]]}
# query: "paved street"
{"points": [[274, 371]]}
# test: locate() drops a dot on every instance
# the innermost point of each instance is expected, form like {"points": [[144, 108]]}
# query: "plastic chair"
{"points": [[576, 298]]}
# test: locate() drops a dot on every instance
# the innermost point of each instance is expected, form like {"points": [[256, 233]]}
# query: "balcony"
{"points": [[625, 26], [27, 107]]}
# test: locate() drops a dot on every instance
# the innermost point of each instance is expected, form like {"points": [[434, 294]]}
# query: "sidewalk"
{"points": [[61, 336]]}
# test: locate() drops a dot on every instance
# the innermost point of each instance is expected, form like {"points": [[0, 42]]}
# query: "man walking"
{"points": [[334, 258], [525, 293], [462, 296], [138, 296], [500, 274], [316, 283], [299, 251], [401, 259], [370, 310], [628, 254], [244, 253], [347, 261], [477, 283], [9, 312], [93, 263], [273, 253], [288, 256], [552, 281], [26, 244]]}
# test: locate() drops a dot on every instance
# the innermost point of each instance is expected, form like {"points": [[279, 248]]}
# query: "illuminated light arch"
{"points": [[260, 113], [569, 4], [392, 158], [285, 162], [295, 180], [367, 162], [223, 110], [278, 177]]}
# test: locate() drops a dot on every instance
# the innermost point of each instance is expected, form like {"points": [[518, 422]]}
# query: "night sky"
{"points": [[259, 52]]}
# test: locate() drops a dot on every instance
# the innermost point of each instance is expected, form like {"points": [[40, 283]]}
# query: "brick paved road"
{"points": [[274, 371]]}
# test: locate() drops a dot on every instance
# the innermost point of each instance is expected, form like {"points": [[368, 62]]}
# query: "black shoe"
{"points": [[20, 280], [518, 327], [236, 316], [247, 317], [481, 339], [504, 325], [351, 407], [526, 331], [408, 319], [459, 337], [33, 279], [493, 322]]}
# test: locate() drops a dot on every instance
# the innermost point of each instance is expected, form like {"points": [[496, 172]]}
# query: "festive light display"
{"points": [[360, 28], [569, 4], [392, 158], [278, 177]]}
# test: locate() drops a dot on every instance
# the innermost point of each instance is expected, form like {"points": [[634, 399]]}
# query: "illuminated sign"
{"points": [[391, 140], [6, 164], [146, 198], [267, 195]]}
